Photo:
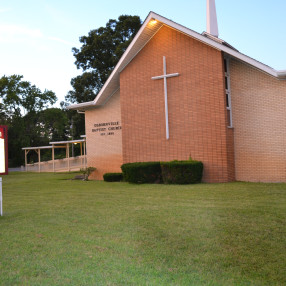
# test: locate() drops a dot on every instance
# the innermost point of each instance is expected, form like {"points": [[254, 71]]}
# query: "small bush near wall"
{"points": [[113, 177], [142, 172], [86, 172], [182, 172]]}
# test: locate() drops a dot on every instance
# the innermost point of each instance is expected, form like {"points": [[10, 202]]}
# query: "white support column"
{"points": [[68, 156], [53, 157], [84, 154], [25, 160], [37, 151], [80, 154], [39, 160]]}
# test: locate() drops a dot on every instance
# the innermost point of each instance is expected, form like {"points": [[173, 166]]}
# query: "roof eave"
{"points": [[281, 74], [113, 81], [81, 106], [118, 65]]}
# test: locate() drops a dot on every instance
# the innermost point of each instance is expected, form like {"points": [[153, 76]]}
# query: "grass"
{"points": [[56, 231]]}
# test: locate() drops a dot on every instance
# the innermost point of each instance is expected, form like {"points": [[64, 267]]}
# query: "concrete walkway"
{"points": [[18, 169]]}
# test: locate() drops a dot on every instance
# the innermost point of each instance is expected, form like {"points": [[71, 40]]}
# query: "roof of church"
{"points": [[149, 28], [218, 40]]}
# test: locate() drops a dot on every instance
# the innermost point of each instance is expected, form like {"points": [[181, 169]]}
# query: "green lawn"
{"points": [[56, 231]]}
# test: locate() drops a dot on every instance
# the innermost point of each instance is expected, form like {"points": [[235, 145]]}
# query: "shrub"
{"points": [[86, 172], [142, 172], [113, 177], [182, 172]]}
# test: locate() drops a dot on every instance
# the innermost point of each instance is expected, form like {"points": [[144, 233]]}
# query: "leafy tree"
{"points": [[76, 121], [20, 96], [53, 124], [98, 55], [3, 115], [21, 103], [85, 87]]}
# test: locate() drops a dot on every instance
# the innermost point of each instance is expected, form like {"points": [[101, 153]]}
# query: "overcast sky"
{"points": [[36, 36]]}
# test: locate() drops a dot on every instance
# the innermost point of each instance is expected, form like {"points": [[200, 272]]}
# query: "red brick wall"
{"points": [[196, 101], [104, 146], [259, 120]]}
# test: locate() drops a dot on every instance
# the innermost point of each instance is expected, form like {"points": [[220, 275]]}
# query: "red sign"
{"points": [[1, 132], [3, 150]]}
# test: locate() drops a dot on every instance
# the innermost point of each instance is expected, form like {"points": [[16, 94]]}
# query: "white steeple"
{"points": [[212, 27]]}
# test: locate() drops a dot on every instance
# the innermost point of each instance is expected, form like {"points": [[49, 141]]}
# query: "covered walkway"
{"points": [[58, 165]]}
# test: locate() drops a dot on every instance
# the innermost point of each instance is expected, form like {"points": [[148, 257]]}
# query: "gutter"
{"points": [[281, 74], [80, 106]]}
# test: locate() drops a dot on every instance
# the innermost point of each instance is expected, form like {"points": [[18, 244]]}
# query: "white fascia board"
{"points": [[36, 148], [115, 72], [282, 74], [218, 46], [117, 67], [81, 105], [67, 142]]}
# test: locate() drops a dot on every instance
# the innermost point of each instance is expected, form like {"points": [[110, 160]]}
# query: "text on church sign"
{"points": [[106, 128]]}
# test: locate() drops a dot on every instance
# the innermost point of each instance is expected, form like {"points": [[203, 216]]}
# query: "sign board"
{"points": [[3, 150], [106, 128]]}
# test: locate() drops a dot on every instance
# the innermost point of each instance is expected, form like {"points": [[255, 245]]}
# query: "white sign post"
{"points": [[2, 155], [1, 206]]}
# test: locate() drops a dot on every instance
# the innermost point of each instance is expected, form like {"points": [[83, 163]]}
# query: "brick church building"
{"points": [[176, 94]]}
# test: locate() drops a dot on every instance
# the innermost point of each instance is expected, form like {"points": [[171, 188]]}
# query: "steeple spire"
{"points": [[212, 27]]}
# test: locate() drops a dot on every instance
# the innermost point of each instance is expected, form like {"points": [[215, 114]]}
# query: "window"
{"points": [[227, 92]]}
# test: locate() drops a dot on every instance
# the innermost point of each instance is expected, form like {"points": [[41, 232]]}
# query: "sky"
{"points": [[37, 36]]}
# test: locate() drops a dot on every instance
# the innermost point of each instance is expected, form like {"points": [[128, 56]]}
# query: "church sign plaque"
{"points": [[106, 128], [3, 150]]}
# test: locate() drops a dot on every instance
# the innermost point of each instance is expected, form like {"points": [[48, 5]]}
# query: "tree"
{"points": [[76, 121], [21, 103], [53, 124], [98, 55], [20, 96]]}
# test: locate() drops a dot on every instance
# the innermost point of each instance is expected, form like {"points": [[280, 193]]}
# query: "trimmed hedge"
{"points": [[142, 172], [113, 177], [182, 172]]}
